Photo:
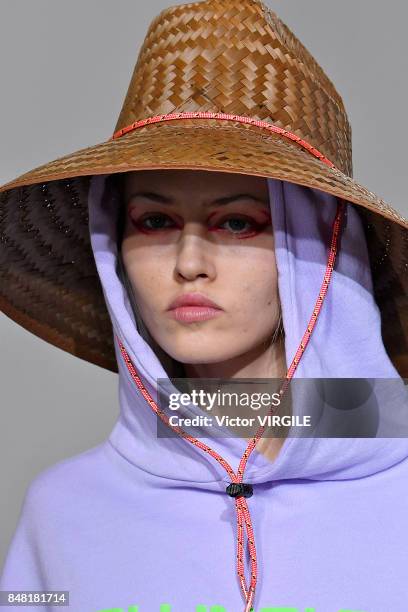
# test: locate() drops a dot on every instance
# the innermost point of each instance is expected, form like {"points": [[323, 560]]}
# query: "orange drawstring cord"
{"points": [[244, 490]]}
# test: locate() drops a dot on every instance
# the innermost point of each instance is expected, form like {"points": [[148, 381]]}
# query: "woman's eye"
{"points": [[239, 225], [152, 222]]}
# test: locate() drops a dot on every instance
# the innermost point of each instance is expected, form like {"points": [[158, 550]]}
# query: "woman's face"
{"points": [[190, 231]]}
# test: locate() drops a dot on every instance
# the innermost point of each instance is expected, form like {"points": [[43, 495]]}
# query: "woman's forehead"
{"points": [[175, 182]]}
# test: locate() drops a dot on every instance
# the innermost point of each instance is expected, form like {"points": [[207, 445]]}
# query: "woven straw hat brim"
{"points": [[211, 145], [49, 280]]}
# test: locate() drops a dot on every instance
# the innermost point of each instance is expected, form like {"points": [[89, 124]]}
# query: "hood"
{"points": [[346, 343]]}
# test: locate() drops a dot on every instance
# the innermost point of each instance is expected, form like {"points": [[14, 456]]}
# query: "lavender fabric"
{"points": [[141, 521]]}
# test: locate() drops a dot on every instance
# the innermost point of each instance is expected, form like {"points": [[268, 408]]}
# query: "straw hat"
{"points": [[219, 85]]}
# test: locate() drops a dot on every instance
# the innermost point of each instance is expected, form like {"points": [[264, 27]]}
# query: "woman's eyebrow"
{"points": [[239, 196], [151, 196], [157, 197]]}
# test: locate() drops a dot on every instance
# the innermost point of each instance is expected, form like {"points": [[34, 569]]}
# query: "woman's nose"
{"points": [[194, 253]]}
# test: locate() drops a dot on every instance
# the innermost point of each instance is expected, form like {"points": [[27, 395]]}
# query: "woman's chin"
{"points": [[197, 353]]}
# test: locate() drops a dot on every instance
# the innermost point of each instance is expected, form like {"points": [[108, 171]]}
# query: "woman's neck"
{"points": [[261, 362], [267, 362]]}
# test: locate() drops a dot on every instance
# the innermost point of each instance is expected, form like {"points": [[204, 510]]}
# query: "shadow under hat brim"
{"points": [[202, 144]]}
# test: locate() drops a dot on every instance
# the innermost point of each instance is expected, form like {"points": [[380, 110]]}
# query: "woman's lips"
{"points": [[190, 314], [193, 307]]}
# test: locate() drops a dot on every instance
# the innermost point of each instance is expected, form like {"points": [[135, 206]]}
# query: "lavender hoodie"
{"points": [[144, 524]]}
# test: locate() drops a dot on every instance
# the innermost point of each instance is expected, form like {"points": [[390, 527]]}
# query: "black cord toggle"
{"points": [[237, 489]]}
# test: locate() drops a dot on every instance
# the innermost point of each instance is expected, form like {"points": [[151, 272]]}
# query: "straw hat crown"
{"points": [[195, 58]]}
